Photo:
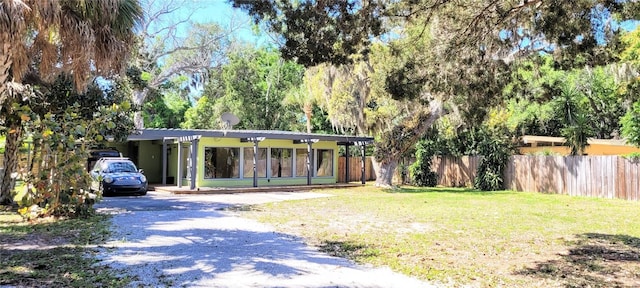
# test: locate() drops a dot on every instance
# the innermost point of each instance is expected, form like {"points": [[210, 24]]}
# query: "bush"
{"points": [[495, 150], [421, 169], [634, 156]]}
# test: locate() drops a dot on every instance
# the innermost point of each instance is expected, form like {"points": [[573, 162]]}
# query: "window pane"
{"points": [[281, 162], [261, 162], [324, 163], [301, 162], [221, 162]]}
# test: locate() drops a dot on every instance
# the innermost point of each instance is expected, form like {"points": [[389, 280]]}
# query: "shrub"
{"points": [[421, 169], [495, 150]]}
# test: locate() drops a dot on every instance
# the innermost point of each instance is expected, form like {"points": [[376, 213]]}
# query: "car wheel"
{"points": [[104, 193]]}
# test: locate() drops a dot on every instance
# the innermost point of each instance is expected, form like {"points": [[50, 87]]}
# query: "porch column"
{"points": [[194, 162], [179, 173], [164, 162], [362, 166], [346, 163], [255, 162], [309, 162]]}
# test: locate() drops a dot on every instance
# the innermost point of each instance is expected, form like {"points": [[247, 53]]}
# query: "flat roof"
{"points": [[561, 140], [163, 133]]}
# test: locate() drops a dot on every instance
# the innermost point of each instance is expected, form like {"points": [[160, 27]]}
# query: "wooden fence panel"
{"points": [[591, 176], [355, 171]]}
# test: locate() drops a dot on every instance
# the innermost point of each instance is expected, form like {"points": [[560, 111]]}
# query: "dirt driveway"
{"points": [[165, 240]]}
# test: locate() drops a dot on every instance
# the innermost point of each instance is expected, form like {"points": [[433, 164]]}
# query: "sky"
{"points": [[222, 12]]}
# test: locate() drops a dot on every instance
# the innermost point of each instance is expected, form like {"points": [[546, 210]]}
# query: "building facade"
{"points": [[237, 158]]}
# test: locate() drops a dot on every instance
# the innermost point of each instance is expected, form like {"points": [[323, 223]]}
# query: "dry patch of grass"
{"points": [[53, 252], [466, 237]]}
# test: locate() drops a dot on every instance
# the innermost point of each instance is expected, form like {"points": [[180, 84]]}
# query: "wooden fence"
{"points": [[355, 164], [591, 176]]}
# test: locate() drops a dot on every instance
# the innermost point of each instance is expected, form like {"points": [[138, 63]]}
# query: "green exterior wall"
{"points": [[149, 158], [267, 143]]}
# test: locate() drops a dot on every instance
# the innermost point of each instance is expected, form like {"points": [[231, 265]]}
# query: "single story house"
{"points": [[237, 158], [556, 145]]}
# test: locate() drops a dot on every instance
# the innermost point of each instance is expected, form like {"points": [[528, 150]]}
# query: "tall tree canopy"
{"points": [[173, 46], [43, 39], [461, 52], [252, 86], [315, 32]]}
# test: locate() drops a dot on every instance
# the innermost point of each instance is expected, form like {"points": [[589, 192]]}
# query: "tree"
{"points": [[64, 125], [165, 52], [93, 38], [462, 54], [316, 32], [252, 86], [166, 106], [303, 98], [631, 125]]}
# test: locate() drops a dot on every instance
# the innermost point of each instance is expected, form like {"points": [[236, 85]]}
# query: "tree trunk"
{"points": [[11, 156], [401, 138], [5, 65], [138, 99], [308, 112], [385, 170]]}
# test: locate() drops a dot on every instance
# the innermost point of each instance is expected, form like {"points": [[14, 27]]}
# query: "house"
{"points": [[556, 145], [237, 158]]}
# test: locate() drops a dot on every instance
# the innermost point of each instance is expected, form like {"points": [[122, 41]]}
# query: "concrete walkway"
{"points": [[165, 240]]}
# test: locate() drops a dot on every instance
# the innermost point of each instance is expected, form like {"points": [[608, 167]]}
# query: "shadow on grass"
{"points": [[348, 249], [53, 253], [55, 267], [410, 189], [595, 260]]}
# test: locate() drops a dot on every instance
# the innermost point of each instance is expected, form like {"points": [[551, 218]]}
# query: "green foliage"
{"points": [[495, 150], [404, 83], [631, 42], [252, 86], [319, 31], [635, 156], [631, 125], [577, 127], [164, 111], [421, 169], [56, 181], [532, 118], [577, 134]]}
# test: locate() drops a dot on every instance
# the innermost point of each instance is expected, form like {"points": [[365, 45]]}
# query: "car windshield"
{"points": [[116, 167]]}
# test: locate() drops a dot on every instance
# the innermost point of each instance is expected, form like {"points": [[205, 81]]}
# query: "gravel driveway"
{"points": [[190, 241]]}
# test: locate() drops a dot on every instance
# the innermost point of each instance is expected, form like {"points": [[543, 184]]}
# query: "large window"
{"points": [[301, 162], [221, 162], [281, 162], [324, 163], [261, 162]]}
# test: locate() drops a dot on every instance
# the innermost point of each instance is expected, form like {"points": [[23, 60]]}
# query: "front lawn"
{"points": [[54, 252], [464, 237]]}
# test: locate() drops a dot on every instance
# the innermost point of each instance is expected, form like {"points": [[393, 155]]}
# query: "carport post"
{"points": [[362, 166], [179, 173], [255, 162], [309, 161], [346, 163], [194, 162], [164, 162]]}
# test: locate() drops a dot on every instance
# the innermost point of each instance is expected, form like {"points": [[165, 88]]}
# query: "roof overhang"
{"points": [[160, 134]]}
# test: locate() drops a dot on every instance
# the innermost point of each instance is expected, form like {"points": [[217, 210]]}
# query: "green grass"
{"points": [[54, 253], [465, 237]]}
